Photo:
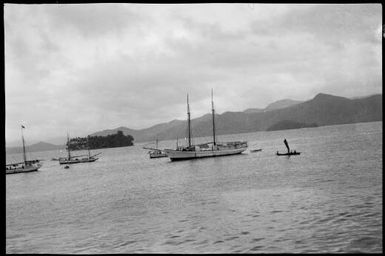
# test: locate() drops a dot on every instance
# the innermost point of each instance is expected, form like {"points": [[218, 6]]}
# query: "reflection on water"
{"points": [[328, 199]]}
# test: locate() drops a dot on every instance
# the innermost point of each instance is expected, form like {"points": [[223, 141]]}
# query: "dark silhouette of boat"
{"points": [[293, 153], [289, 152], [255, 150]]}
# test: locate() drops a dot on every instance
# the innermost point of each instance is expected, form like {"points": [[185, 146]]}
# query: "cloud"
{"points": [[93, 20], [329, 23], [90, 67]]}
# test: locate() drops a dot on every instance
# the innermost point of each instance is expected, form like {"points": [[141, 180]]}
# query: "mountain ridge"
{"points": [[322, 109]]}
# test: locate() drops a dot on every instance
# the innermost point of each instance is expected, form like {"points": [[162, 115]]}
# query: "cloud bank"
{"points": [[84, 68]]}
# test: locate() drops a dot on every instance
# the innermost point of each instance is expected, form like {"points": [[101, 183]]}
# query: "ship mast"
{"points": [[188, 123], [68, 147], [22, 138], [88, 147], [213, 114]]}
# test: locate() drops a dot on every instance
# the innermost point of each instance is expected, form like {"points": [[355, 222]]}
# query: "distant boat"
{"points": [[26, 165], [289, 152], [156, 152], [210, 149], [255, 150], [293, 153], [76, 159]]}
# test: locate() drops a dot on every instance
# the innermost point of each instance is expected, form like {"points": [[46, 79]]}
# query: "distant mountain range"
{"points": [[275, 105], [40, 146], [323, 109]]}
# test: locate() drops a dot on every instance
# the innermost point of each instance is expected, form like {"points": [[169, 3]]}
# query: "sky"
{"points": [[83, 68]]}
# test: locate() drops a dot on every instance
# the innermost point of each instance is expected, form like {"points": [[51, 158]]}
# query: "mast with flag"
{"points": [[25, 166]]}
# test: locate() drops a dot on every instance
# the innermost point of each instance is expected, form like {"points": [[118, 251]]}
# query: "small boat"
{"points": [[76, 159], [289, 152], [292, 153], [255, 150], [26, 165], [210, 149], [156, 152]]}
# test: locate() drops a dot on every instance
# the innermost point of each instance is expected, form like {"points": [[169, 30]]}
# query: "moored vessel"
{"points": [[156, 152], [26, 165], [210, 149], [77, 159]]}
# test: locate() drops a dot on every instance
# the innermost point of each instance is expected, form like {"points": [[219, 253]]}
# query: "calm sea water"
{"points": [[328, 199]]}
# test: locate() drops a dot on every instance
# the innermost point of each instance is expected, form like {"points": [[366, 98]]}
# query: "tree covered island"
{"points": [[96, 142]]}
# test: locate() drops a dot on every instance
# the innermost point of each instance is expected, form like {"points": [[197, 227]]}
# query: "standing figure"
{"points": [[287, 145]]}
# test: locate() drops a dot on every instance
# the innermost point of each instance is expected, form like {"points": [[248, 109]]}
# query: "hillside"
{"points": [[323, 109], [40, 146], [282, 104], [286, 124], [253, 110]]}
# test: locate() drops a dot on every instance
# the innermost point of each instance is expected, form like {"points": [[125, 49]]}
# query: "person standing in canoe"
{"points": [[287, 145]]}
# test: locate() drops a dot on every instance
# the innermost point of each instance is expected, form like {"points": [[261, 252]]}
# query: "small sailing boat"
{"points": [[156, 152], [210, 149], [26, 165], [76, 159], [289, 152]]}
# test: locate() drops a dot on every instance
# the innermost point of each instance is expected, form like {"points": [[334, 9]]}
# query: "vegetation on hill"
{"points": [[287, 124], [95, 142]]}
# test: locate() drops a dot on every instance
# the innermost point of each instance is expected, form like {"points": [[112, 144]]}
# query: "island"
{"points": [[96, 142]]}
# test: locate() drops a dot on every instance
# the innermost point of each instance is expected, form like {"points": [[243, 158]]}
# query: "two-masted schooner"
{"points": [[210, 149], [76, 159], [26, 165]]}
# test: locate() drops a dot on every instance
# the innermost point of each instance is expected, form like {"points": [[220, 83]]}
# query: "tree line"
{"points": [[95, 142]]}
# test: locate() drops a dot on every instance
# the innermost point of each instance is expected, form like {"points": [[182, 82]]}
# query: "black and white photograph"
{"points": [[193, 128]]}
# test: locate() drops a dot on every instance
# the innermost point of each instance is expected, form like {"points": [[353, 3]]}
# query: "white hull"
{"points": [[31, 168], [76, 160], [158, 155], [211, 149], [175, 155]]}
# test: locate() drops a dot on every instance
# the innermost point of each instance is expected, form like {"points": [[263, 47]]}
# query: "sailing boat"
{"points": [[26, 165], [210, 149], [156, 152], [75, 159]]}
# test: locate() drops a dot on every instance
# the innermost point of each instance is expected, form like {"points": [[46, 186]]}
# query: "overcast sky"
{"points": [[85, 68]]}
